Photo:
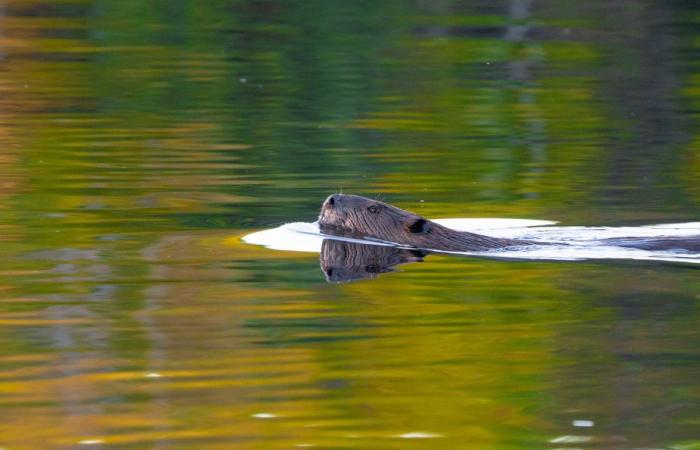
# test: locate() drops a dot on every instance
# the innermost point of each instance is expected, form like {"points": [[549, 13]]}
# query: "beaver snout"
{"points": [[334, 201], [346, 202], [331, 201], [330, 209]]}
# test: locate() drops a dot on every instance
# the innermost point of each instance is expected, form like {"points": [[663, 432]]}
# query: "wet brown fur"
{"points": [[355, 216]]}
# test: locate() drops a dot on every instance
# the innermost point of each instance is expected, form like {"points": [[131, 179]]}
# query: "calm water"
{"points": [[140, 139]]}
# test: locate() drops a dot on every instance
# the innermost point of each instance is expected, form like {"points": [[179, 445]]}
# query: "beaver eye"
{"points": [[374, 209]]}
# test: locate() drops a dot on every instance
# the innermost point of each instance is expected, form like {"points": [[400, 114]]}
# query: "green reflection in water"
{"points": [[140, 139]]}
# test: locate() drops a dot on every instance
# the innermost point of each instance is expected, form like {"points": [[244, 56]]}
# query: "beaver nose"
{"points": [[333, 201]]}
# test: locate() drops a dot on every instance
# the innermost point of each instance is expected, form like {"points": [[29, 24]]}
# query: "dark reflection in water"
{"points": [[343, 261], [139, 139]]}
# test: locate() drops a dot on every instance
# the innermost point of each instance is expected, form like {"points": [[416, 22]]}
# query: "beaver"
{"points": [[360, 217]]}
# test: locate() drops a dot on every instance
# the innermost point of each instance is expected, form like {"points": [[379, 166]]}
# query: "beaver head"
{"points": [[352, 215]]}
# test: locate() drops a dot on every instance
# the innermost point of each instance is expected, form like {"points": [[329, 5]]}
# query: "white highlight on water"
{"points": [[583, 423], [419, 435], [571, 439], [559, 243]]}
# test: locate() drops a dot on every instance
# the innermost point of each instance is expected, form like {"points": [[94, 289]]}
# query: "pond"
{"points": [[140, 141]]}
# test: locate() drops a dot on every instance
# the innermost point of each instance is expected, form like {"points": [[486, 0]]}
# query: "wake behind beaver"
{"points": [[361, 217], [360, 238]]}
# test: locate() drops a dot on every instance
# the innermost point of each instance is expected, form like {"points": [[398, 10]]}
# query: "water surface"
{"points": [[140, 140]]}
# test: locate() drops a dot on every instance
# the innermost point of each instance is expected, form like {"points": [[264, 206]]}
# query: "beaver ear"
{"points": [[419, 226]]}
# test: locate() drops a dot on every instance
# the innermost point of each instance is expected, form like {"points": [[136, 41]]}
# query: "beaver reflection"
{"points": [[343, 261]]}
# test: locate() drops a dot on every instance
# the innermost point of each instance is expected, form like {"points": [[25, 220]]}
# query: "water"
{"points": [[139, 141]]}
